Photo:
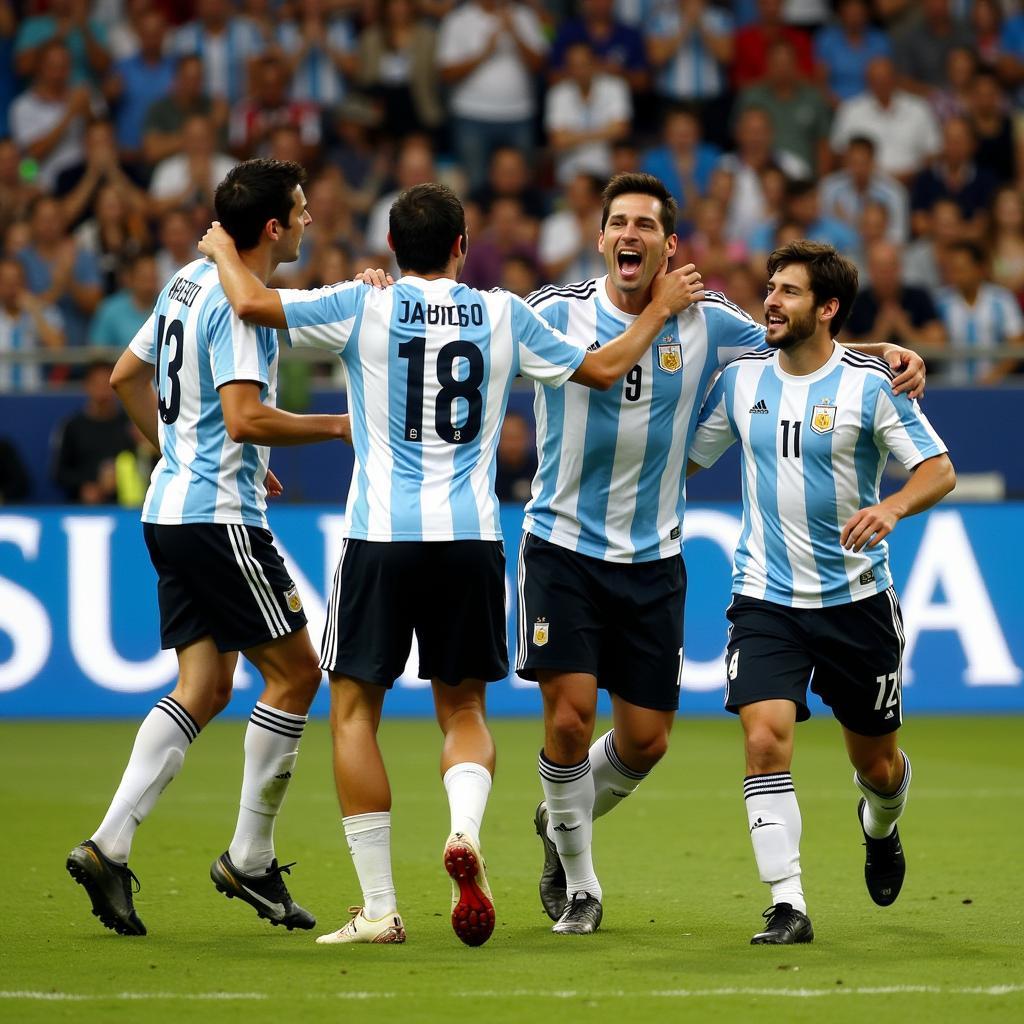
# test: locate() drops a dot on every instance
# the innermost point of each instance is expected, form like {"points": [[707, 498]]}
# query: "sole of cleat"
{"points": [[473, 916], [115, 924]]}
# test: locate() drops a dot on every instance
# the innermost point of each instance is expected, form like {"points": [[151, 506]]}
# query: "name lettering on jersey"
{"points": [[670, 355], [429, 315], [823, 417], [184, 291], [541, 632]]}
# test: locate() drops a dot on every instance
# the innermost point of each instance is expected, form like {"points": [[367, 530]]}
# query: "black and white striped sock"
{"points": [[569, 793], [773, 816], [614, 780]]}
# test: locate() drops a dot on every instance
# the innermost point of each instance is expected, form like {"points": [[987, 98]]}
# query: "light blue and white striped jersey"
{"points": [[19, 334], [814, 447], [610, 479], [994, 319], [196, 344], [429, 364]]}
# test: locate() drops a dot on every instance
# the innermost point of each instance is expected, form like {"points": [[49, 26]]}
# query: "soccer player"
{"points": [[602, 582], [223, 587], [429, 365], [813, 597]]}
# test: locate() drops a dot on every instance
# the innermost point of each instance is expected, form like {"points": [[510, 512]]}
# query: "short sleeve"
{"points": [[143, 344], [714, 433], [545, 353], [235, 350], [902, 428], [731, 331], [322, 317]]}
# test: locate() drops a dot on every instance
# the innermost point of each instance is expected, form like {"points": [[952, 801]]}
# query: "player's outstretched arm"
{"points": [[907, 364], [250, 298], [930, 481], [670, 295], [250, 421], [132, 379]]}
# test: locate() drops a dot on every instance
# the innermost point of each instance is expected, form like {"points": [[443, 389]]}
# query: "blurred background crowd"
{"points": [[892, 129]]}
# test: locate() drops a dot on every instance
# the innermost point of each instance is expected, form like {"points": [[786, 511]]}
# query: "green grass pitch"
{"points": [[681, 892]]}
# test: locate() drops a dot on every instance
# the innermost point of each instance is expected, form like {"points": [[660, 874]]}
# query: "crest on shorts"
{"points": [[670, 355], [541, 631], [823, 417], [292, 599]]}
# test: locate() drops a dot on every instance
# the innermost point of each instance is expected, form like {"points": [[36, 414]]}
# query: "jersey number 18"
{"points": [[451, 389]]}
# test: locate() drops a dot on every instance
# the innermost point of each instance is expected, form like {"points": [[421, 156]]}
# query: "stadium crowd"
{"points": [[890, 129]]}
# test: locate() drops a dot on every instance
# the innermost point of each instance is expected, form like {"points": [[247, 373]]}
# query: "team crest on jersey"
{"points": [[541, 632], [292, 599], [670, 355], [823, 417]]}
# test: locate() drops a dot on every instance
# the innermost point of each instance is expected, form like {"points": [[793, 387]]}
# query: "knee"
{"points": [[879, 771], [570, 727], [220, 698], [765, 749], [642, 753]]}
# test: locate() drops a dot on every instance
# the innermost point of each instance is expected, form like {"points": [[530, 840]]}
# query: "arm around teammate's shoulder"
{"points": [[250, 421], [250, 298], [670, 295]]}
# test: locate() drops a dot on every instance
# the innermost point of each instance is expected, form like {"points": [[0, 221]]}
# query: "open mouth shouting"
{"points": [[630, 262]]}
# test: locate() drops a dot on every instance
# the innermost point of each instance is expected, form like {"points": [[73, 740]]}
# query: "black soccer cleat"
{"points": [[786, 926], [582, 915], [884, 863], [266, 892], [552, 875], [109, 885]]}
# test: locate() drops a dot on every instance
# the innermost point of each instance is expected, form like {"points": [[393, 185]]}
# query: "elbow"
{"points": [[240, 429], [950, 477], [602, 381], [246, 309]]}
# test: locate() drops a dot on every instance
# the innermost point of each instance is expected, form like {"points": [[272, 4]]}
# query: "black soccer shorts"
{"points": [[621, 622], [225, 580], [451, 594], [850, 654]]}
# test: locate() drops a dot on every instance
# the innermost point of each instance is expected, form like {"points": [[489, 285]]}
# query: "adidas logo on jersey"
{"points": [[760, 407]]}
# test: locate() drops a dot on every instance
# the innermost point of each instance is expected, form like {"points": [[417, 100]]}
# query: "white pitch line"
{"points": [[77, 997]]}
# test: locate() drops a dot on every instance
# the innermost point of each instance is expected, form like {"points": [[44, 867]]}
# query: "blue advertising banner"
{"points": [[79, 628]]}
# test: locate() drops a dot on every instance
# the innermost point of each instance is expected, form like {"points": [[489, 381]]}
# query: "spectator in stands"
{"points": [[354, 149], [754, 40], [567, 250], [177, 236], [799, 114], [744, 289], [844, 49], [266, 107], [584, 113], [397, 65], [120, 316], [15, 483], [1010, 60], [509, 177], [15, 192], [708, 246], [8, 77], [519, 275], [925, 257], [516, 459], [188, 178], [954, 175], [1006, 240], [993, 127], [986, 23], [88, 443], [139, 81], [225, 43], [953, 99], [114, 235], [489, 53], [332, 265], [618, 47], [902, 126], [68, 22], [921, 50], [163, 132], [872, 226], [683, 161], [122, 27], [690, 47], [320, 49], [48, 119], [890, 311], [845, 193], [58, 271], [27, 324], [803, 209], [978, 314], [414, 166], [507, 233]]}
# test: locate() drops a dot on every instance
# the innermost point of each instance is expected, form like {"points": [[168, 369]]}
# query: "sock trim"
{"points": [[181, 718], [273, 720], [560, 773], [618, 764], [899, 792], [761, 785]]}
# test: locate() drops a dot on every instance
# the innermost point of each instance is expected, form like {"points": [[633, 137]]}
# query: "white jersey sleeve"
{"points": [[902, 428], [235, 352], [715, 431], [143, 344], [544, 353], [323, 317]]}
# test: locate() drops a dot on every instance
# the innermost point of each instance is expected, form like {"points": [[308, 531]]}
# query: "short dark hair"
{"points": [[637, 183], [862, 142], [972, 249], [425, 221], [832, 275], [254, 192]]}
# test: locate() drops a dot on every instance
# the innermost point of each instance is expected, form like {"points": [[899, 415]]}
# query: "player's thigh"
{"points": [[460, 611], [858, 650], [767, 657], [369, 627], [560, 610], [642, 646], [205, 679]]}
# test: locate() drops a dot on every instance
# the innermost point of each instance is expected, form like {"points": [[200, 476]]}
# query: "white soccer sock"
{"points": [[773, 816], [883, 810], [369, 842], [569, 792], [271, 749], [159, 750], [614, 780], [468, 785]]}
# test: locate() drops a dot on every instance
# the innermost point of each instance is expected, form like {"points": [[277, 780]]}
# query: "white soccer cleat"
{"points": [[361, 929], [472, 902]]}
